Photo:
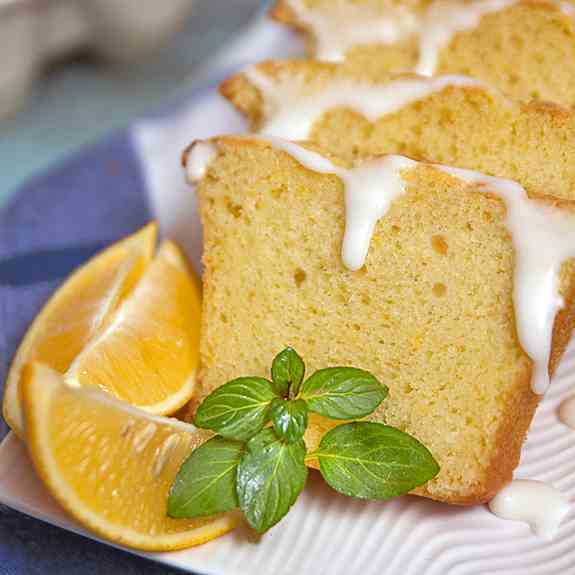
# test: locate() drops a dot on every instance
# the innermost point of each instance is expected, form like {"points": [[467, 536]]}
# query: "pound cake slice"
{"points": [[448, 119], [526, 48], [415, 283]]}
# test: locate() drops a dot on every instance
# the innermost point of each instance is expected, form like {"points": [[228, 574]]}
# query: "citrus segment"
{"points": [[149, 352], [317, 428], [80, 307], [111, 465]]}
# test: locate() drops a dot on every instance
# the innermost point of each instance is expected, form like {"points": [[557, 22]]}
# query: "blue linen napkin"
{"points": [[51, 226]]}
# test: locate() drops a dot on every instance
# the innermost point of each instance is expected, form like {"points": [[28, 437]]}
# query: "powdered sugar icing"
{"points": [[369, 190], [198, 158], [539, 504], [567, 412], [443, 20], [543, 238], [347, 26], [342, 27], [291, 114]]}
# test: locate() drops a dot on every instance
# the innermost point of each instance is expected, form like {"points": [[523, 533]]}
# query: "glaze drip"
{"points": [[344, 27], [543, 238], [290, 114], [567, 412], [539, 504]]}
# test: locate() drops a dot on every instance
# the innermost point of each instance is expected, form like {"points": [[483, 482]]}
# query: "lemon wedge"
{"points": [[148, 353], [80, 308], [111, 465]]}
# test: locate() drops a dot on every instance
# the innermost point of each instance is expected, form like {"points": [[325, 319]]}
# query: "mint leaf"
{"points": [[288, 370], [206, 481], [239, 409], [373, 461], [271, 475], [289, 418], [343, 392]]}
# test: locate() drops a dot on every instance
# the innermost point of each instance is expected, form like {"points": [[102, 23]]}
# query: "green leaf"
{"points": [[289, 418], [206, 481], [374, 461], [343, 392], [239, 409], [288, 369], [271, 475]]}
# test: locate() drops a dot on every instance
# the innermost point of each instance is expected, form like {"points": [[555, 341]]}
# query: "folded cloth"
{"points": [[52, 225], [59, 220]]}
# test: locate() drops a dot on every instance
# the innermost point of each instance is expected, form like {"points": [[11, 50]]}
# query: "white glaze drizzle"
{"points": [[567, 412], [343, 27], [539, 504], [567, 8], [369, 189], [291, 114], [198, 159], [543, 236], [443, 20], [347, 26]]}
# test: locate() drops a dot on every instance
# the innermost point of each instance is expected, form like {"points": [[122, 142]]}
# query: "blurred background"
{"points": [[72, 70]]}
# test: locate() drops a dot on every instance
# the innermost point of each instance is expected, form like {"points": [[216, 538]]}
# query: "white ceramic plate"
{"points": [[328, 533], [325, 532]]}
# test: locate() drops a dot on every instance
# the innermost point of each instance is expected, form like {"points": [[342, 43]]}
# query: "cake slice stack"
{"points": [[454, 120], [455, 288]]}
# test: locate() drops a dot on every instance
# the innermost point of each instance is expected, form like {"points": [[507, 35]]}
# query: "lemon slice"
{"points": [[149, 351], [80, 308], [111, 465]]}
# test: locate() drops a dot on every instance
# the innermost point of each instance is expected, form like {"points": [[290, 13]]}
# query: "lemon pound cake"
{"points": [[448, 119], [524, 47], [444, 283]]}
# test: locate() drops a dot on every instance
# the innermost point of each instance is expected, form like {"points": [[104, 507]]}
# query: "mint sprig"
{"points": [[271, 475], [289, 418], [288, 370], [373, 461], [239, 409], [343, 392], [206, 481], [257, 462]]}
